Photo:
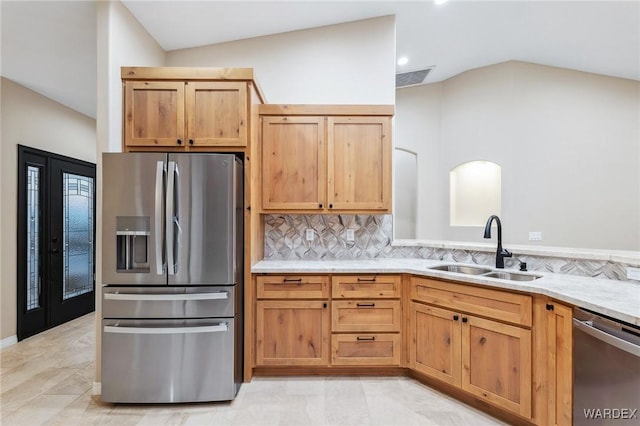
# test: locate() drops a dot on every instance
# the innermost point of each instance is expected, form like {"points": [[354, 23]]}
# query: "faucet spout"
{"points": [[501, 253]]}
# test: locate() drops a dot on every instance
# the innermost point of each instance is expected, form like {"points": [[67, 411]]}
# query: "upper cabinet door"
{"points": [[359, 163], [216, 113], [293, 163], [154, 114]]}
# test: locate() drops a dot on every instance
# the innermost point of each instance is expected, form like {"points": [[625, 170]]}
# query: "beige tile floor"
{"points": [[47, 380]]}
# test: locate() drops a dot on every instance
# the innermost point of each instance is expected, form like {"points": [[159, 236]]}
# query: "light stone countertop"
{"points": [[617, 299]]}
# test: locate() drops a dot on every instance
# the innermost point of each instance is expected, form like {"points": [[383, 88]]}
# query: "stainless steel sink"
{"points": [[511, 276], [461, 269]]}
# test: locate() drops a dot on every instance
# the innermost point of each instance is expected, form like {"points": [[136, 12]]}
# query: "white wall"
{"points": [[32, 120], [351, 63], [121, 41], [567, 142]]}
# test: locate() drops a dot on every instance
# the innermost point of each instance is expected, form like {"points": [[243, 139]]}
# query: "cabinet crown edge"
{"points": [[326, 109]]}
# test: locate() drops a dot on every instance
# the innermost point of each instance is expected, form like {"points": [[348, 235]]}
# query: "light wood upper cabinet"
{"points": [[154, 113], [216, 113], [293, 150], [326, 159], [359, 163], [184, 109]]}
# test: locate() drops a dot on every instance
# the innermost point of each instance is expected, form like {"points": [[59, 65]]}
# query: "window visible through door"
{"points": [[56, 240]]}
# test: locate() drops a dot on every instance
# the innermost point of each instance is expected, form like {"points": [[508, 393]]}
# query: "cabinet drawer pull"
{"points": [[370, 280], [365, 305], [366, 338], [292, 280]]}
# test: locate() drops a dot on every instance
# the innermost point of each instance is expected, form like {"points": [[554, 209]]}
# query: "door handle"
{"points": [[158, 217], [169, 217]]}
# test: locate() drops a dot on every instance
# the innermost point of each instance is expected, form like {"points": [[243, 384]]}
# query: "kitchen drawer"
{"points": [[365, 286], [366, 315], [365, 349], [293, 287], [500, 305]]}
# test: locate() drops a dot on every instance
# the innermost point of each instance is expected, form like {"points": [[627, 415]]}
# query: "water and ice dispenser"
{"points": [[132, 246]]}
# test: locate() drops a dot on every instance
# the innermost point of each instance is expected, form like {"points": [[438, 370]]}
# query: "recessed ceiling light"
{"points": [[403, 61], [440, 1]]}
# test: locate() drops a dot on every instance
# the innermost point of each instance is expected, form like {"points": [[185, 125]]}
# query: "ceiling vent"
{"points": [[412, 78]]}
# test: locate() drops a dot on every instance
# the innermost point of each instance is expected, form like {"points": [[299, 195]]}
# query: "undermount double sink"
{"points": [[485, 272]]}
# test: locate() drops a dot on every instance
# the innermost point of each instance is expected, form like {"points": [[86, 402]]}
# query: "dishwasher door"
{"points": [[168, 360], [606, 384]]}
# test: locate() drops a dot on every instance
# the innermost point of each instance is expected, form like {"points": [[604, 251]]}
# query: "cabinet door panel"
{"points": [[359, 163], [292, 333], [434, 346], [560, 368], [496, 363], [293, 161], [217, 114], [154, 113]]}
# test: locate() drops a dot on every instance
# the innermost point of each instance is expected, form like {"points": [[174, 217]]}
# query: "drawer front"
{"points": [[366, 315], [366, 286], [501, 305], [365, 349], [168, 302], [293, 287]]}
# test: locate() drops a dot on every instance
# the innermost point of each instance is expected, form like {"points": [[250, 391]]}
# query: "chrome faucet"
{"points": [[500, 253]]}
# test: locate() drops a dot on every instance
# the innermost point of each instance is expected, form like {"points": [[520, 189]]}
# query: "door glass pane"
{"points": [[33, 237], [78, 224]]}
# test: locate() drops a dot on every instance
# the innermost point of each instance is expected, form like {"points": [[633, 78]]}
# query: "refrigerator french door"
{"points": [[172, 267]]}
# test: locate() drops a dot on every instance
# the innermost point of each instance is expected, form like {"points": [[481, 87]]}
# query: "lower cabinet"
{"points": [[481, 355], [476, 339], [559, 364], [365, 349], [292, 332]]}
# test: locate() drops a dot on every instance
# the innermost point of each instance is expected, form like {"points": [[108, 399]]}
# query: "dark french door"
{"points": [[56, 240]]}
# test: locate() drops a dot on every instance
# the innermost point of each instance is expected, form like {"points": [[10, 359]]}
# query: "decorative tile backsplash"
{"points": [[285, 240]]}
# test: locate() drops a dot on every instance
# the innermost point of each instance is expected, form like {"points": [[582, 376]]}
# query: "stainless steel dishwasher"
{"points": [[606, 370]]}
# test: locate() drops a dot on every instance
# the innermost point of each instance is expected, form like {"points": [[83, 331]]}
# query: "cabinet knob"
{"points": [[320, 205], [324, 305], [179, 141], [330, 206], [455, 317], [190, 141], [465, 319], [549, 307]]}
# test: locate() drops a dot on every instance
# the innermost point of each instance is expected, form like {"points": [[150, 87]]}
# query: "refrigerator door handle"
{"points": [[222, 295], [166, 330], [170, 212], [158, 219]]}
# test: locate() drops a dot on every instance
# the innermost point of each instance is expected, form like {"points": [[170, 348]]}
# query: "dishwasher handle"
{"points": [[596, 333]]}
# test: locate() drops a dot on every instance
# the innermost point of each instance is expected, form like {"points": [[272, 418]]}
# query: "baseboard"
{"points": [[97, 388], [8, 341]]}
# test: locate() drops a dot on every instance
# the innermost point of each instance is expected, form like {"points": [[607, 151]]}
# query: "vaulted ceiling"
{"points": [[50, 46]]}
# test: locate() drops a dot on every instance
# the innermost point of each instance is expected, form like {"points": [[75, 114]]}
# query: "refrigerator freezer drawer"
{"points": [[168, 302], [163, 361]]}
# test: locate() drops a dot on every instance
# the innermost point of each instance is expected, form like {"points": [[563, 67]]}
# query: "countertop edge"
{"points": [[585, 292]]}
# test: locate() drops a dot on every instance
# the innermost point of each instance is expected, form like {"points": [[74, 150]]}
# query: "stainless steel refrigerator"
{"points": [[172, 250]]}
